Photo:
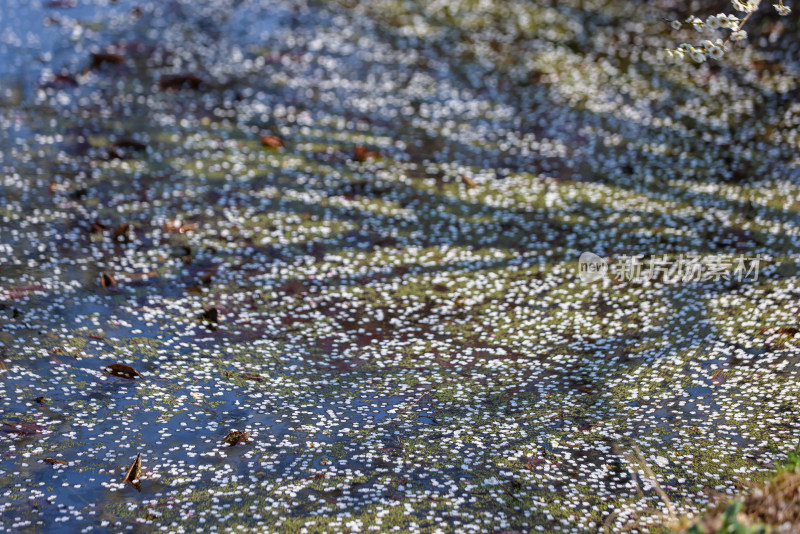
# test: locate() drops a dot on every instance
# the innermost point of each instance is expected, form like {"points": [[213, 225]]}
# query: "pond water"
{"points": [[351, 231]]}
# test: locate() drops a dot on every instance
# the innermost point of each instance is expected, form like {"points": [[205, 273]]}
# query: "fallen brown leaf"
{"points": [[180, 81], [98, 227], [788, 330], [61, 4], [131, 144], [468, 181], [60, 81], [122, 233], [123, 371], [272, 141], [361, 153], [23, 428], [175, 227], [107, 281], [253, 376], [134, 472], [105, 58], [236, 437], [211, 315]]}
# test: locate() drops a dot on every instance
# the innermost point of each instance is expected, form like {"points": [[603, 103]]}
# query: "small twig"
{"points": [[609, 520], [508, 491], [399, 439], [615, 448], [413, 403], [649, 473]]}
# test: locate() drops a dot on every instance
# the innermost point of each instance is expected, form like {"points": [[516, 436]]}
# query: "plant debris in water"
{"points": [[122, 370], [236, 437], [134, 473]]}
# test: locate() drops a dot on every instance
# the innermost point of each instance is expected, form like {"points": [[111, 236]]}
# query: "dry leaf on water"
{"points": [[123, 371], [211, 315], [61, 4], [105, 58], [60, 81], [272, 141], [122, 233], [21, 428], [236, 437], [360, 153], [253, 376], [134, 473], [98, 227], [176, 227], [107, 281], [179, 81]]}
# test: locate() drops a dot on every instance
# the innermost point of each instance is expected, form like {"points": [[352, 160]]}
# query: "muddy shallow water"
{"points": [[352, 231]]}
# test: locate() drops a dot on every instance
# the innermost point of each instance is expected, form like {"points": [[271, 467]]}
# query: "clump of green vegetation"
{"points": [[769, 507]]}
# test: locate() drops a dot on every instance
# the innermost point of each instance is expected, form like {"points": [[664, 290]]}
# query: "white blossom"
{"points": [[739, 35], [746, 6], [782, 9], [697, 55], [715, 52]]}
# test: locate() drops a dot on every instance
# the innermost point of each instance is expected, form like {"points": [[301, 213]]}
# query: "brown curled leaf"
{"points": [[123, 371], [361, 153], [272, 141], [211, 315], [134, 473], [107, 281]]}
